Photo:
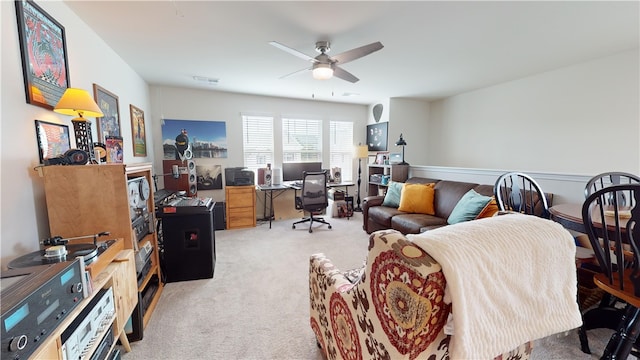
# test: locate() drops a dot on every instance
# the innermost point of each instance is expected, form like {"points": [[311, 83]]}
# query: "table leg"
{"points": [[270, 206]]}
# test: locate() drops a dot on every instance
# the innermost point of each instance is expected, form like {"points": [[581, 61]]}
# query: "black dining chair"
{"points": [[587, 269], [313, 199], [519, 192], [614, 234]]}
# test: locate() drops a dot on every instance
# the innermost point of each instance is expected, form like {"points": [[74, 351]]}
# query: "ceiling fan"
{"points": [[325, 66]]}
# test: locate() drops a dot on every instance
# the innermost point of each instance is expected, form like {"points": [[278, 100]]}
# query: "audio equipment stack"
{"points": [[35, 301]]}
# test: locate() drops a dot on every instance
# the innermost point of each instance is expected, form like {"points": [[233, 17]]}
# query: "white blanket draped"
{"points": [[511, 279]]}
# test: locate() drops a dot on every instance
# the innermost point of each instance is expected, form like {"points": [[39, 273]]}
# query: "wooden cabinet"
{"points": [[397, 173], [89, 199], [240, 206], [118, 275]]}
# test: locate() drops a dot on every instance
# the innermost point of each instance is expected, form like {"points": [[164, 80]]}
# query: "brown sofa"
{"points": [[447, 194]]}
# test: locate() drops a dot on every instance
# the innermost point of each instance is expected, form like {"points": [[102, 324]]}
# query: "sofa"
{"points": [[401, 304], [447, 194]]}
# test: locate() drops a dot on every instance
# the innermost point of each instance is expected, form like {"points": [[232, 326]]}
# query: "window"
{"points": [[341, 147], [257, 139], [301, 140]]}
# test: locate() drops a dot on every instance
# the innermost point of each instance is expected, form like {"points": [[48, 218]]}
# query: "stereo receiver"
{"points": [[35, 302]]}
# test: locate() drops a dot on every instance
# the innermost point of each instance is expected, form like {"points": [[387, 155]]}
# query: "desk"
{"points": [[268, 190], [280, 188]]}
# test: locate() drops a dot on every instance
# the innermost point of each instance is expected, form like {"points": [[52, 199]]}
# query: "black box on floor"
{"points": [[189, 246], [219, 219]]}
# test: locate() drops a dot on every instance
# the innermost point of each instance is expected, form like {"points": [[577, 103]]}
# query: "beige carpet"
{"points": [[257, 305]]}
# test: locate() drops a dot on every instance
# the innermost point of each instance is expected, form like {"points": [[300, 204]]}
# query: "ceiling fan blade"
{"points": [[293, 52], [294, 73], [357, 53], [344, 74]]}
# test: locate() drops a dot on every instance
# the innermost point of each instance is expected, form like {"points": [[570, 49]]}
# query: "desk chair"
{"points": [[515, 191], [610, 226], [313, 198]]}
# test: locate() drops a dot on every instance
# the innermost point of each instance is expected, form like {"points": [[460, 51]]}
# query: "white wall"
{"points": [[581, 119], [191, 104], [23, 214], [411, 118]]}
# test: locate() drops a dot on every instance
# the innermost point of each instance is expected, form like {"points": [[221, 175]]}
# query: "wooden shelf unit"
{"points": [[90, 199], [240, 206], [397, 173]]}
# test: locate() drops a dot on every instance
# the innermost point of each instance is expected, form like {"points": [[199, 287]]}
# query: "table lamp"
{"points": [[402, 143], [362, 151], [78, 102]]}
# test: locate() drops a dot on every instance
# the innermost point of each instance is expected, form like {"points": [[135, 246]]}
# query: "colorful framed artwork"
{"points": [[138, 131], [377, 136], [43, 47], [53, 139], [109, 124], [115, 153]]}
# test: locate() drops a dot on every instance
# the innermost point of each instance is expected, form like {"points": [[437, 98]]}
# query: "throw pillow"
{"points": [[468, 207], [417, 198], [489, 210], [392, 197]]}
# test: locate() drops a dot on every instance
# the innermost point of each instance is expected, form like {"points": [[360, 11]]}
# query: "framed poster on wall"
{"points": [[43, 47], [377, 137]]}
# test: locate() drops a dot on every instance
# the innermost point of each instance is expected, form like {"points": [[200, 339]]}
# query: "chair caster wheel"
{"points": [[310, 231], [329, 226], [293, 226]]}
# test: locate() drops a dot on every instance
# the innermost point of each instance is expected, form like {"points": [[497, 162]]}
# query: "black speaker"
{"points": [[189, 246], [219, 219]]}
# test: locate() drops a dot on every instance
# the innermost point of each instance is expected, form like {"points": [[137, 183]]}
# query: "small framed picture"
{"points": [[115, 154], [53, 139], [372, 159], [395, 158], [382, 158]]}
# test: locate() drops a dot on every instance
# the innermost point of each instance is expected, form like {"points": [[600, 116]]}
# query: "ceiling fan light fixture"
{"points": [[322, 71]]}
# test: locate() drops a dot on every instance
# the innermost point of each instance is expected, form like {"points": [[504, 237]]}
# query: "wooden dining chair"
{"points": [[519, 192], [612, 228]]}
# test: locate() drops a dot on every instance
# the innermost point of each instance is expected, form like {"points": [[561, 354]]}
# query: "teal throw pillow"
{"points": [[392, 198], [468, 207]]}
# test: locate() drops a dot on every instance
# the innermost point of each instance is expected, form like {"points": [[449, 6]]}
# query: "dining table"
{"points": [[569, 215]]}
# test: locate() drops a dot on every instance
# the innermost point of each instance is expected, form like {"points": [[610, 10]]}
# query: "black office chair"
{"points": [[518, 192], [314, 198], [614, 234]]}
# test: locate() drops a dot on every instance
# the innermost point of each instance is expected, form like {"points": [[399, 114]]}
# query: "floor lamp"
{"points": [[362, 151]]}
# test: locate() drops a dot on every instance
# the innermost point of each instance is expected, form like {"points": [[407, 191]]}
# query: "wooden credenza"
{"points": [[240, 206], [90, 199]]}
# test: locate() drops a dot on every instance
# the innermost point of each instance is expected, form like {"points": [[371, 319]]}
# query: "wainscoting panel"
{"points": [[567, 188]]}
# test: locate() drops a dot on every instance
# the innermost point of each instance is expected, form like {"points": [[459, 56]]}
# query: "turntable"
{"points": [[60, 250]]}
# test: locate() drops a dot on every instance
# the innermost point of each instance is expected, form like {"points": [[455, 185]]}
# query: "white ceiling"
{"points": [[431, 49]]}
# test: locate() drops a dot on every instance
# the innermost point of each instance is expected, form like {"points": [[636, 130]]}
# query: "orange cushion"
{"points": [[489, 210], [417, 198]]}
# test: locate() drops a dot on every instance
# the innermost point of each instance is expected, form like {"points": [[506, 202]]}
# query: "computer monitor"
{"points": [[292, 171]]}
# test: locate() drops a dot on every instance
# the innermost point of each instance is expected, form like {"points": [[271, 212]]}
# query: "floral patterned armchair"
{"points": [[391, 308]]}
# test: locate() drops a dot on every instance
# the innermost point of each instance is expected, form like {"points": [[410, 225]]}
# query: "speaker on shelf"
{"points": [[187, 180], [193, 178], [336, 174]]}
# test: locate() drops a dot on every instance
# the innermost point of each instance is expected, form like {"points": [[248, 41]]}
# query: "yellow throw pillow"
{"points": [[417, 198], [489, 210]]}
